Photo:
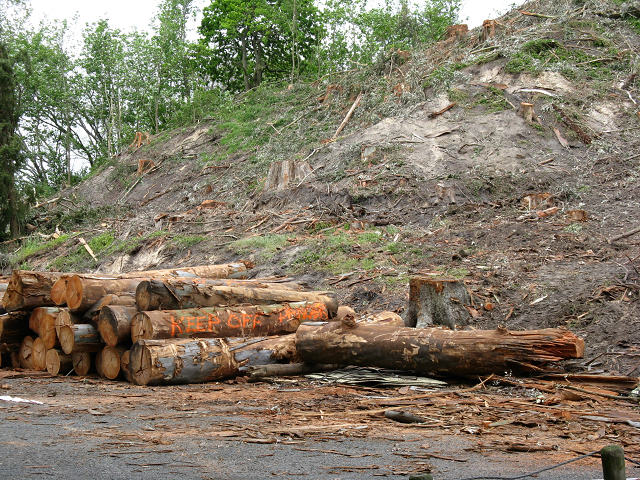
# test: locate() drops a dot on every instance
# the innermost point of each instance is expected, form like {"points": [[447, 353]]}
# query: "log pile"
{"points": [[206, 324]]}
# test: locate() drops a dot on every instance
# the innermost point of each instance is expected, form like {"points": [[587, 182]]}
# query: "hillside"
{"points": [[406, 188]]}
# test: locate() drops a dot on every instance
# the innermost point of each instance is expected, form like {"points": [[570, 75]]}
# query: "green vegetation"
{"points": [[263, 246], [35, 245], [79, 258]]}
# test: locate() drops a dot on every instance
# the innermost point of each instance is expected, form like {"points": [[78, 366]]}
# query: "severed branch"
{"points": [[348, 117], [624, 235], [440, 112]]}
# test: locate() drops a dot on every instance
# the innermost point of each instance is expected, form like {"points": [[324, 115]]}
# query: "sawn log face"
{"points": [[436, 350]]}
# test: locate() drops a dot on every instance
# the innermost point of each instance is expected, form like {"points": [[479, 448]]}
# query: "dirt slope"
{"points": [[404, 192]]}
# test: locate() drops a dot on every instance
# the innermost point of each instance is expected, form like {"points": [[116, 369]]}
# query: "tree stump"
{"points": [[437, 301], [281, 174]]}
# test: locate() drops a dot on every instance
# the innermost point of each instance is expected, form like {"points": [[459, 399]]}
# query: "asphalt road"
{"points": [[109, 430]]}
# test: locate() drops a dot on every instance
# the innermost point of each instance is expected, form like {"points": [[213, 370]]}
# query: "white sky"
{"points": [[126, 14]]}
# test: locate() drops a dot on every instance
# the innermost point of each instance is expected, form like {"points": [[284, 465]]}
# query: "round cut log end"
{"points": [[110, 362], [58, 362], [107, 327], [59, 291], [24, 353], [39, 354], [74, 292], [67, 338], [81, 363], [143, 296], [141, 327], [124, 366], [140, 364]]}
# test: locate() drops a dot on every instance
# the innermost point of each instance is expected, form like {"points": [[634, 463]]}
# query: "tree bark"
{"points": [[28, 290], [437, 301], [82, 293], [171, 362], [227, 270], [433, 350], [24, 353], [124, 366], [14, 327], [81, 363], [157, 294], [65, 317], [114, 324], [58, 362], [124, 299], [39, 354], [180, 296], [80, 338], [225, 322]]}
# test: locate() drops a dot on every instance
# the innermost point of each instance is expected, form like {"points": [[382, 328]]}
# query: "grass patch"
{"points": [[263, 247], [36, 245]]}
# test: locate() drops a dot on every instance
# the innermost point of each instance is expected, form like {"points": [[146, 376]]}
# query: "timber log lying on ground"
{"points": [[193, 325]]}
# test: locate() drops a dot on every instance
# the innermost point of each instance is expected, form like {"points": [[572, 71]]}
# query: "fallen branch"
{"points": [[586, 139], [348, 117], [540, 15], [624, 235], [440, 112]]}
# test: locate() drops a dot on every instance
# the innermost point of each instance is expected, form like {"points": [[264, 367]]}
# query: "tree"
{"points": [[10, 145], [253, 40]]}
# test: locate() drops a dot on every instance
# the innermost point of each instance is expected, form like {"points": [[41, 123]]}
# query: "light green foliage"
{"points": [[36, 245], [264, 246]]}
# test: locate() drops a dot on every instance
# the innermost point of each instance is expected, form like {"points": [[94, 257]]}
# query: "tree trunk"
{"points": [[65, 317], [80, 338], [170, 362], [59, 362], [14, 327], [227, 270], [437, 301], [24, 353], [43, 322], [123, 299], [81, 363], [28, 290], [110, 359], [225, 322], [157, 294], [182, 296], [114, 324], [287, 369], [39, 354], [83, 293], [433, 350]]}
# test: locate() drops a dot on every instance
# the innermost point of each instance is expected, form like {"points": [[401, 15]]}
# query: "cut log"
{"points": [[170, 362], [114, 324], [58, 362], [81, 363], [124, 299], [65, 317], [229, 270], [97, 362], [43, 322], [124, 366], [38, 354], [14, 327], [109, 359], [437, 301], [82, 293], [260, 320], [436, 350], [156, 295], [389, 319], [24, 353], [28, 290], [180, 296], [286, 369], [80, 338], [59, 290]]}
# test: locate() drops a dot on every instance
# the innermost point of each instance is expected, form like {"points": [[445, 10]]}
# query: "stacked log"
{"points": [[192, 325]]}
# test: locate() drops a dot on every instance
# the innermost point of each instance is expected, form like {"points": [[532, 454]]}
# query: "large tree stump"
{"points": [[436, 350], [283, 173], [259, 320], [170, 362], [27, 290], [437, 301], [114, 324], [181, 296]]}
